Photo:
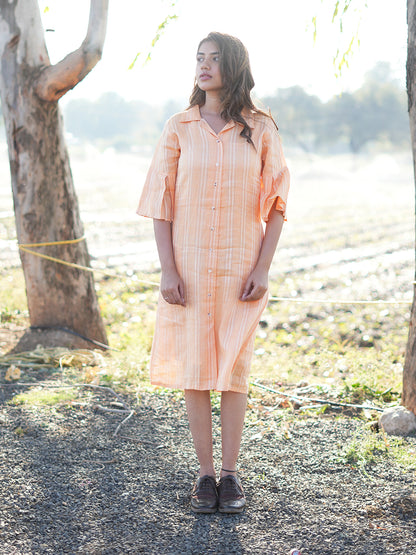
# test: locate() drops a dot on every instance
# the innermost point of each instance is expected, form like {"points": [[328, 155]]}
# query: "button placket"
{"points": [[212, 255]]}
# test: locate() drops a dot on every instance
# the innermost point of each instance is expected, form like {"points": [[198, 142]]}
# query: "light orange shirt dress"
{"points": [[215, 189]]}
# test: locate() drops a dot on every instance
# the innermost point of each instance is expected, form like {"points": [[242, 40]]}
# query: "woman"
{"points": [[218, 170]]}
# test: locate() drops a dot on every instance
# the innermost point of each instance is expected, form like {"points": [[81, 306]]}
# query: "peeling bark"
{"points": [[409, 372], [46, 206]]}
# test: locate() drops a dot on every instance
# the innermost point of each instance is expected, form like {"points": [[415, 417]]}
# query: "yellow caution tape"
{"points": [[78, 266], [48, 244]]}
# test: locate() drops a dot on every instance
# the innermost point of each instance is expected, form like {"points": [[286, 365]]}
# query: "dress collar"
{"points": [[193, 114]]}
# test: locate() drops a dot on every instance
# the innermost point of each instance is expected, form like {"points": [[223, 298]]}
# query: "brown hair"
{"points": [[237, 82]]}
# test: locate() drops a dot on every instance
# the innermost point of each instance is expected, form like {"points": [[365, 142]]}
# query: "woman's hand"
{"points": [[258, 281], [256, 285], [171, 284], [172, 287]]}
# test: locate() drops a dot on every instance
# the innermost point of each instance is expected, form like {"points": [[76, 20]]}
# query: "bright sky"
{"points": [[277, 33]]}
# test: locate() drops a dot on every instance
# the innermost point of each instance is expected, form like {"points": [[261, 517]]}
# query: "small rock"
{"points": [[12, 373], [302, 383], [398, 421], [313, 316], [366, 341]]}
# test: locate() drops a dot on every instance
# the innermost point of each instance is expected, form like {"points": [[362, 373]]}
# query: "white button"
{"points": [[212, 228], [209, 294], [209, 271], [209, 313], [217, 164], [218, 141], [213, 208], [215, 184]]}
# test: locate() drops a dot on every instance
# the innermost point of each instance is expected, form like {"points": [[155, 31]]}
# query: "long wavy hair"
{"points": [[237, 82]]}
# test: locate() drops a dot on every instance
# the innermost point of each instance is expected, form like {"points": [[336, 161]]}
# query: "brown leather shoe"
{"points": [[204, 496], [231, 495]]}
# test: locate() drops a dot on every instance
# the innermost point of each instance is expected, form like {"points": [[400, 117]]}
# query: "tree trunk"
{"points": [[46, 206], [409, 372]]}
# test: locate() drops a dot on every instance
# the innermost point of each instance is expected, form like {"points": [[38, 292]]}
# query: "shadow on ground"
{"points": [[69, 486]]}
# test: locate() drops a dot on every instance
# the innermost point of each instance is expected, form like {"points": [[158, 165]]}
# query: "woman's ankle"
{"points": [[207, 471], [228, 471]]}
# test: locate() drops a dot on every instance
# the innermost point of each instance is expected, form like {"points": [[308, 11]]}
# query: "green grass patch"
{"points": [[44, 397], [13, 304], [357, 351], [368, 448], [129, 309]]}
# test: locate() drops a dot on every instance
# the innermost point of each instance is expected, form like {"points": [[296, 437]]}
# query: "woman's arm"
{"points": [[171, 284], [257, 283]]}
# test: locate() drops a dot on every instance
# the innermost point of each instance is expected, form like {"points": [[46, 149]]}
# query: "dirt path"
{"points": [[69, 486]]}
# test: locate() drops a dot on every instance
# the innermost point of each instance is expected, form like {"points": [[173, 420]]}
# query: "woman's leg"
{"points": [[233, 409], [198, 406]]}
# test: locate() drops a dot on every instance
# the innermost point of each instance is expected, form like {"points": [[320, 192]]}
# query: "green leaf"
{"points": [[314, 28], [131, 66], [334, 15], [347, 5], [159, 31]]}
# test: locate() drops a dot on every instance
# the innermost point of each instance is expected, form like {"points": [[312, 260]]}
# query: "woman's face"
{"points": [[208, 75]]}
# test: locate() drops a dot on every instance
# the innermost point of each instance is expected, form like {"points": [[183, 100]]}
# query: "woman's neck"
{"points": [[212, 103]]}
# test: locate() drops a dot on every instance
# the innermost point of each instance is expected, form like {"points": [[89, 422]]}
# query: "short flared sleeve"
{"points": [[158, 195], [275, 179]]}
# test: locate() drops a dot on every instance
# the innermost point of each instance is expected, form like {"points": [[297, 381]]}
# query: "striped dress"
{"points": [[215, 189]]}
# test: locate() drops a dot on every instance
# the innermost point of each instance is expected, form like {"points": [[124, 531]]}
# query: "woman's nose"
{"points": [[205, 64]]}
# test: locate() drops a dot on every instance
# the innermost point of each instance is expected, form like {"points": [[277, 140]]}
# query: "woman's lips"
{"points": [[204, 77]]}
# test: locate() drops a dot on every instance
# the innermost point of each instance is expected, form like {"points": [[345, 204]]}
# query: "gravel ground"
{"points": [[69, 486]]}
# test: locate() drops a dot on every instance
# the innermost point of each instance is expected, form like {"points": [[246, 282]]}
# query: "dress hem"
{"points": [[237, 389]]}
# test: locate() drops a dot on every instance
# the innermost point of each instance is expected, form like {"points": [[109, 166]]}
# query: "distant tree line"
{"points": [[374, 114], [113, 121]]}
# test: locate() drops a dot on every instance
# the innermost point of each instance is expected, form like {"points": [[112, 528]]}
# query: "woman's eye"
{"points": [[200, 59], [216, 58]]}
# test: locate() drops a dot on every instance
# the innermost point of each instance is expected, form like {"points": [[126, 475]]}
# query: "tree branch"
{"points": [[56, 80]]}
